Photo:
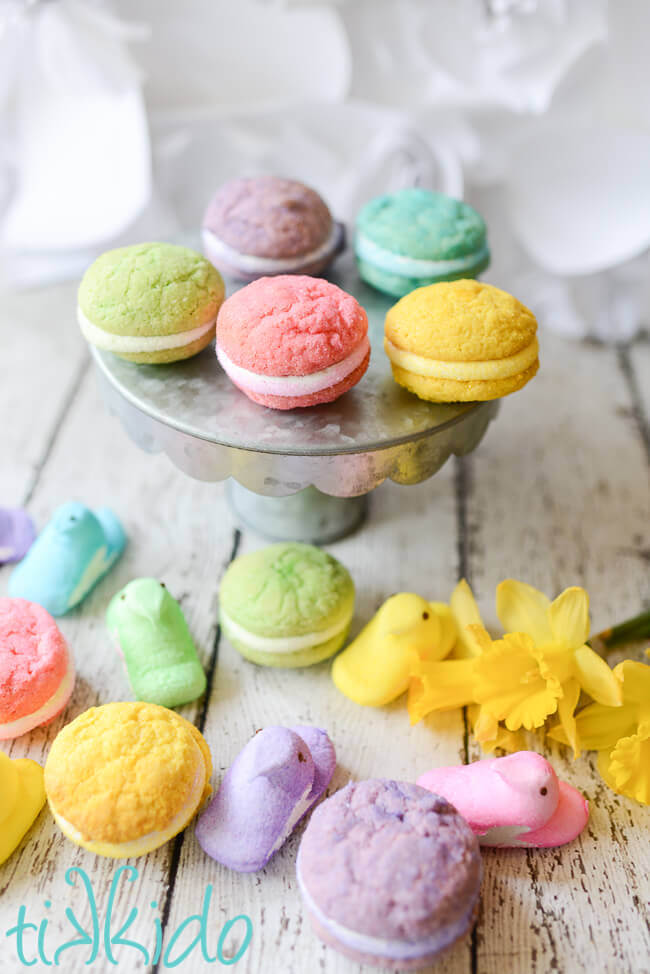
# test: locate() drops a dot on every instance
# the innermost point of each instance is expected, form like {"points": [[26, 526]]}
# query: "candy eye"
{"points": [[301, 756], [425, 615], [122, 596], [162, 585], [543, 791]]}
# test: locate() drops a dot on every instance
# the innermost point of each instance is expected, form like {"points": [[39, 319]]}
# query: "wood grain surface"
{"points": [[557, 494]]}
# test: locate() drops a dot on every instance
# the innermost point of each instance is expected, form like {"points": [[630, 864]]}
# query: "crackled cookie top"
{"points": [[150, 289], [388, 860], [268, 216], [125, 770], [287, 589]]}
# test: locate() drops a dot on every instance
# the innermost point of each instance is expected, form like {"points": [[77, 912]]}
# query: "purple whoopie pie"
{"points": [[267, 225], [390, 874]]}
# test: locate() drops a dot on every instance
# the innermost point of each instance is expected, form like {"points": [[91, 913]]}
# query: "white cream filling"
{"points": [[51, 707], [292, 385], [500, 368], [379, 946], [378, 256], [218, 250], [504, 835], [134, 344], [283, 644], [299, 810], [145, 843]]}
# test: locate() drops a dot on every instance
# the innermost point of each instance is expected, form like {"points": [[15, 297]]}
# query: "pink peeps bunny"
{"points": [[512, 801]]}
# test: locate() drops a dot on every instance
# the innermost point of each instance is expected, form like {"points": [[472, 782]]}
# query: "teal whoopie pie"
{"points": [[416, 237], [286, 605]]}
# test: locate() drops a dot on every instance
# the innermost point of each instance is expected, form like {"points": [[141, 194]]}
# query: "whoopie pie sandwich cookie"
{"points": [[461, 341], [266, 225], [389, 873], [124, 778], [286, 605], [37, 672], [150, 302], [292, 341], [415, 237]]}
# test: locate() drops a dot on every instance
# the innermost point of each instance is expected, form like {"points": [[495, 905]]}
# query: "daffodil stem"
{"points": [[631, 629]]}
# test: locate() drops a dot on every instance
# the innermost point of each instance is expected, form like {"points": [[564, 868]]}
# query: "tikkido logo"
{"points": [[98, 937]]}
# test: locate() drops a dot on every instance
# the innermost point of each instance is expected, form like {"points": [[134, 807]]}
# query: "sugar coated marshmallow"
{"points": [[273, 783], [512, 801]]}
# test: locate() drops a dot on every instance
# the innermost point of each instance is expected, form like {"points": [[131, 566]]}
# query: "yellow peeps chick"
{"points": [[377, 666], [22, 795]]}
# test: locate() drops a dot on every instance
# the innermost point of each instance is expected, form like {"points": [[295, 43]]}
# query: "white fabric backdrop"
{"points": [[535, 109]]}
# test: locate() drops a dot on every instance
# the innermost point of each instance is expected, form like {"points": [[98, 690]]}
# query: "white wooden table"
{"points": [[557, 494]]}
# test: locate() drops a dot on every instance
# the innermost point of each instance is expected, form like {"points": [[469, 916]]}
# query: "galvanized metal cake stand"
{"points": [[302, 474]]}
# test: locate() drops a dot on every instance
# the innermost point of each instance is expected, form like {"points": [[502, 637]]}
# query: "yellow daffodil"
{"points": [[512, 681], [621, 734], [507, 678], [559, 631]]}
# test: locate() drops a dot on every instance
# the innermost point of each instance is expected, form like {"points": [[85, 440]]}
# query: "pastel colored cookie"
{"points": [[36, 668], [17, 534], [286, 605], [22, 796], [512, 801], [377, 666], [460, 342], [293, 341], [415, 237], [153, 638], [150, 302], [266, 225], [389, 874], [124, 778], [275, 780], [69, 557]]}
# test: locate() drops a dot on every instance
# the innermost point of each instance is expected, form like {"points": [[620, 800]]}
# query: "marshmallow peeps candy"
{"points": [[515, 801], [273, 782], [377, 666], [153, 638], [17, 534], [22, 795], [68, 558]]}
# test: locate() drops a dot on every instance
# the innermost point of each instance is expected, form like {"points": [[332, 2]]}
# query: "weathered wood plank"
{"points": [[178, 533], [43, 360], [559, 496], [420, 522]]}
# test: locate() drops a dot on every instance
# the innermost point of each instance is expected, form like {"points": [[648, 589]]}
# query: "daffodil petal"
{"points": [[635, 678], [521, 608], [465, 612], [492, 735], [441, 685], [596, 678], [565, 711], [600, 727], [628, 767], [568, 615], [448, 629]]}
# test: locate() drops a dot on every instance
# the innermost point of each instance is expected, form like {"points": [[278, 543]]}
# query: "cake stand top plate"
{"points": [[194, 413]]}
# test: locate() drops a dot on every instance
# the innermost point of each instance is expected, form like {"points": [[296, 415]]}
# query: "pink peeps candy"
{"points": [[514, 801]]}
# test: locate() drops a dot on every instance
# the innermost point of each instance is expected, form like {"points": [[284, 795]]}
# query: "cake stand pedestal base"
{"points": [[309, 515]]}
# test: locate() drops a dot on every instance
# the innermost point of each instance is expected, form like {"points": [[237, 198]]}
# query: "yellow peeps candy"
{"points": [[22, 795], [377, 666]]}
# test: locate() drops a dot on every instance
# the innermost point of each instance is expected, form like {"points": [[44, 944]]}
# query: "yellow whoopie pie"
{"points": [[124, 778], [461, 341]]}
